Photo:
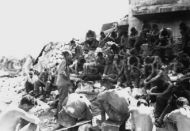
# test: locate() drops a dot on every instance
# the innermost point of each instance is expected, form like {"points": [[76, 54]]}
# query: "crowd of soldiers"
{"points": [[147, 60]]}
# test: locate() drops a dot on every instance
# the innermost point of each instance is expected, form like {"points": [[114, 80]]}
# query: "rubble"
{"points": [[11, 96], [51, 55]]}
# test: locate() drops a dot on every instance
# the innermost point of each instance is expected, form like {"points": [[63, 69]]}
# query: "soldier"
{"points": [[10, 119]]}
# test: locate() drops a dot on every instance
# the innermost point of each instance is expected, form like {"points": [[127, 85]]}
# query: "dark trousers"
{"points": [[38, 88], [29, 86]]}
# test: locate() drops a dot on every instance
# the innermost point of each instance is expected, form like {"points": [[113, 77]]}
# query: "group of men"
{"points": [[120, 60]]}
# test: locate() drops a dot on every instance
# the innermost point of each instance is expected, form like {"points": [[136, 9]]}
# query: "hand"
{"points": [[148, 92], [37, 121]]}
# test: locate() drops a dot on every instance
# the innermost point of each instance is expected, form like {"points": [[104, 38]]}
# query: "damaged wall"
{"points": [[165, 13], [155, 2]]}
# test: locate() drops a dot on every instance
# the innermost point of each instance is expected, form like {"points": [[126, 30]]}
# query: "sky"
{"points": [[27, 25]]}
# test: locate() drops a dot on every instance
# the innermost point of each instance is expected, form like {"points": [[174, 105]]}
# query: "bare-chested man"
{"points": [[10, 119], [141, 116], [180, 116]]}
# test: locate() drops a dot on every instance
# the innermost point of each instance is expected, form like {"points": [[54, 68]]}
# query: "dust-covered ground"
{"points": [[11, 91]]}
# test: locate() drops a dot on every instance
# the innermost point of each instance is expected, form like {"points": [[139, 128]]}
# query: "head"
{"points": [[155, 27], [72, 43], [66, 55], [148, 60], [31, 74], [114, 34], [102, 34], [114, 48], [27, 102], [100, 54], [133, 61], [146, 26], [182, 101], [134, 31], [90, 34], [164, 33]]}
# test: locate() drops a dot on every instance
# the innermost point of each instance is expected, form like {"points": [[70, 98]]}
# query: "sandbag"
{"points": [[117, 98], [77, 105], [65, 119], [115, 103]]}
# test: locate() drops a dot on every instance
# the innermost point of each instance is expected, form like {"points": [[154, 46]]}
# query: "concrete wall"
{"points": [[155, 2], [165, 19]]}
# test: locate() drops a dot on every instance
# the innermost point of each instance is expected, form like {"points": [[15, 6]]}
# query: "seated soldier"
{"points": [[160, 88], [180, 116], [124, 77], [143, 36], [100, 62], [133, 37], [91, 70], [77, 65], [184, 30], [184, 59], [124, 40], [30, 80], [123, 52], [163, 45], [147, 69], [135, 72], [10, 119], [41, 83], [154, 36], [51, 83], [112, 71], [130, 72]]}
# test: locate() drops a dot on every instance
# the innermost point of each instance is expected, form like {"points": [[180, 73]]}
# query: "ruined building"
{"points": [[165, 13]]}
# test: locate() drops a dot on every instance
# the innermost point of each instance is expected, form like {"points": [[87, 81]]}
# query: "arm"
{"points": [[154, 78], [30, 118], [39, 78], [157, 94], [148, 78]]}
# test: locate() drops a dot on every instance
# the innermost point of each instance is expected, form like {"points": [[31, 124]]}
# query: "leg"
{"points": [[47, 89], [29, 86], [37, 86]]}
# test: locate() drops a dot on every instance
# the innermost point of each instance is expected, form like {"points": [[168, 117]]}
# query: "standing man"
{"points": [[63, 81]]}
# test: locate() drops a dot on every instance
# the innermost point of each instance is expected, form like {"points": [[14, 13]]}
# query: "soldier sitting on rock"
{"points": [[41, 83], [30, 80]]}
